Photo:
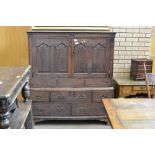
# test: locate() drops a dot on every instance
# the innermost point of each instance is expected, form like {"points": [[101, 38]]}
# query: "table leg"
{"points": [[29, 121], [26, 96], [26, 92], [4, 119]]}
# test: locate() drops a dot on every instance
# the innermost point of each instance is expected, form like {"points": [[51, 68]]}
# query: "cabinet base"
{"points": [[43, 118]]}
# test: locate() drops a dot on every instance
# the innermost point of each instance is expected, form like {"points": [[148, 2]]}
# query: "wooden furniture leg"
{"points": [[26, 92], [147, 82], [4, 114], [4, 119], [29, 122], [26, 96]]}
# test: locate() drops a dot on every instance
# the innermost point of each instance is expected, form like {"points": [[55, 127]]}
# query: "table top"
{"points": [[130, 113], [10, 77], [129, 82]]}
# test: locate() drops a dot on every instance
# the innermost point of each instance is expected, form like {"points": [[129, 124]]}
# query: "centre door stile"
{"points": [[71, 58]]}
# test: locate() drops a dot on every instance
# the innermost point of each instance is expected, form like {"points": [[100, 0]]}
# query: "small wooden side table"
{"points": [[127, 87], [15, 114]]}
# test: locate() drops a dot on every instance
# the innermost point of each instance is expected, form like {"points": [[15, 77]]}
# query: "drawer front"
{"points": [[48, 109], [71, 96], [98, 95], [139, 88], [43, 82], [58, 109], [98, 82], [70, 82], [85, 109], [40, 96], [37, 109]]}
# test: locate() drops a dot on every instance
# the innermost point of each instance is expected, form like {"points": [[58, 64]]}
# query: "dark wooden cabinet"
{"points": [[71, 72]]}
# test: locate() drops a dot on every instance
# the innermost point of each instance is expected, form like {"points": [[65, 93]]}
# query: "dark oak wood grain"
{"points": [[13, 80], [71, 72]]}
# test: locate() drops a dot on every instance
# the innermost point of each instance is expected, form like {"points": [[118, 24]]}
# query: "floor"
{"points": [[71, 125]]}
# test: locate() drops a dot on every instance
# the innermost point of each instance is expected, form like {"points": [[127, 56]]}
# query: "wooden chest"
{"points": [[71, 73], [137, 68]]}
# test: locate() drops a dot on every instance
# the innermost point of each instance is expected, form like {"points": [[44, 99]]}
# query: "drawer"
{"points": [[139, 88], [42, 82], [98, 95], [98, 82], [85, 109], [40, 96], [71, 96], [58, 109], [38, 109], [70, 82], [48, 109]]}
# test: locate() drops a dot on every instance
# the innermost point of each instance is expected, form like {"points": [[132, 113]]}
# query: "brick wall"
{"points": [[130, 42]]}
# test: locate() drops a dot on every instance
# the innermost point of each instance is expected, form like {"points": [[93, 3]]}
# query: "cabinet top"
{"points": [[69, 33], [73, 28]]}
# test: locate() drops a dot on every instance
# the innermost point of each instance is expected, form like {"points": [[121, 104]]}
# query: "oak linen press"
{"points": [[71, 72]]}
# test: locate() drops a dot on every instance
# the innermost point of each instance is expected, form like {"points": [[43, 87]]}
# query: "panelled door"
{"points": [[91, 57], [51, 56], [83, 56]]}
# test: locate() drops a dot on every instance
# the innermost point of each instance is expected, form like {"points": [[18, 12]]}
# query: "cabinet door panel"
{"points": [[99, 57], [82, 59], [43, 58], [92, 55], [61, 58], [50, 56]]}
